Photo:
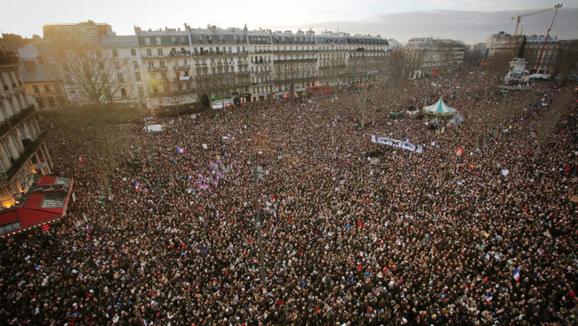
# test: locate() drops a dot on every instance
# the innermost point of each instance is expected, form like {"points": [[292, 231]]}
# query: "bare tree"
{"points": [[93, 79]]}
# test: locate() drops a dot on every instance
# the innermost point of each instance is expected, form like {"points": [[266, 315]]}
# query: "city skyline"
{"points": [[469, 21]]}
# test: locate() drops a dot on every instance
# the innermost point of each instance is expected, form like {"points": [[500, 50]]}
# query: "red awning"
{"points": [[46, 202]]}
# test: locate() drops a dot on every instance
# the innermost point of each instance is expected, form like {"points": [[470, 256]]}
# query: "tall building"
{"points": [[23, 153]]}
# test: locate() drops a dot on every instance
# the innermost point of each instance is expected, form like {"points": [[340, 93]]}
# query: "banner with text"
{"points": [[397, 143]]}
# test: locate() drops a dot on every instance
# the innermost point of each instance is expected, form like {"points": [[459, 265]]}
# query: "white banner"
{"points": [[397, 143]]}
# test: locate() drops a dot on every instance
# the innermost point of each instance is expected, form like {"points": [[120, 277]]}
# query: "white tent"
{"points": [[439, 108]]}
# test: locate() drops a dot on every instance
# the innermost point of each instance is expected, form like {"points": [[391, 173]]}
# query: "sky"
{"points": [[470, 21]]}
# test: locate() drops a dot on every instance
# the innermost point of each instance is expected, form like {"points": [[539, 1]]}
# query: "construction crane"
{"points": [[519, 17], [558, 6]]}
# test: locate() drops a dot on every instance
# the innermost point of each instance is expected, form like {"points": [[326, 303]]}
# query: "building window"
{"points": [[47, 88], [57, 88], [35, 88], [160, 52], [140, 91], [149, 52], [135, 64], [133, 52], [120, 77], [123, 92], [158, 39], [162, 64], [51, 102], [147, 40], [114, 53], [137, 76], [151, 65]]}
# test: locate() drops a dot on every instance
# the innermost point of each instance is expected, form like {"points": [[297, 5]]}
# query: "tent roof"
{"points": [[439, 108]]}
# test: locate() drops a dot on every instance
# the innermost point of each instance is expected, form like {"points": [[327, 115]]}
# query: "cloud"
{"points": [[469, 26]]}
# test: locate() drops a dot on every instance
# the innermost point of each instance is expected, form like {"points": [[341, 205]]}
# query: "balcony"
{"points": [[261, 83], [23, 114], [29, 150], [305, 60], [14, 120], [181, 67], [295, 51], [293, 80], [180, 54], [157, 69], [8, 58], [155, 56]]}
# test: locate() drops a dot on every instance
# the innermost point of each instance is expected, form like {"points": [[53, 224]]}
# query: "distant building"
{"points": [[533, 51], [81, 34], [503, 44], [507, 46], [41, 76], [426, 55], [23, 153]]}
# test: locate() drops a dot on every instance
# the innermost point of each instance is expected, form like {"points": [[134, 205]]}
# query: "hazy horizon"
{"points": [[469, 22]]}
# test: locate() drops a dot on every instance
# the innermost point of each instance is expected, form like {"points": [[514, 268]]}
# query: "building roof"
{"points": [[33, 72], [128, 41], [45, 203]]}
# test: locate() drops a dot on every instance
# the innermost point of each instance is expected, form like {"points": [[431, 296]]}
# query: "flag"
{"points": [[489, 298], [275, 212], [137, 187], [517, 275], [180, 150], [81, 159], [459, 152]]}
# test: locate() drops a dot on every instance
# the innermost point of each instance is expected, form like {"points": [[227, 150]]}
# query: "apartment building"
{"points": [[40, 76], [23, 152], [427, 55], [180, 69], [541, 55]]}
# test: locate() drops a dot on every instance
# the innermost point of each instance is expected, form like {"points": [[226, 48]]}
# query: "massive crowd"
{"points": [[354, 233]]}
